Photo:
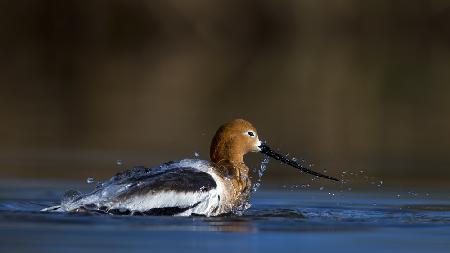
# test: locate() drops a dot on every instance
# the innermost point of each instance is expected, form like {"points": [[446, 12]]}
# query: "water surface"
{"points": [[278, 221]]}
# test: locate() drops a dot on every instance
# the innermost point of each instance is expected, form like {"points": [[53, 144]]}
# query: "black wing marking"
{"points": [[176, 179], [160, 211]]}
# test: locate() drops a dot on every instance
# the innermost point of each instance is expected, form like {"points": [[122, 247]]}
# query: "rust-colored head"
{"points": [[233, 140]]}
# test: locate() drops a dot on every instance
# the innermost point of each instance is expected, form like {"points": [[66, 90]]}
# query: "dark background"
{"points": [[348, 85]]}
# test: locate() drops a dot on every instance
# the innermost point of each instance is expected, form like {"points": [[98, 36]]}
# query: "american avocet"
{"points": [[188, 186]]}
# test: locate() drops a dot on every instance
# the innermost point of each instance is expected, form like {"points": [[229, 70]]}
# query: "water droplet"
{"points": [[413, 194], [90, 180], [69, 196], [398, 195], [294, 159], [99, 185], [321, 188], [119, 162], [196, 154], [324, 171], [261, 170]]}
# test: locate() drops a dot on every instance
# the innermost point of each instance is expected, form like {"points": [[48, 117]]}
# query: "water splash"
{"points": [[261, 170], [380, 183], [90, 180], [70, 196], [196, 154], [241, 208]]}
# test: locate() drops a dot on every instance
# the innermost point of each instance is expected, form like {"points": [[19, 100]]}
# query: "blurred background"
{"points": [[347, 85]]}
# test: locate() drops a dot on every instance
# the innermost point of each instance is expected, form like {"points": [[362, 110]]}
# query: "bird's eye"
{"points": [[250, 133]]}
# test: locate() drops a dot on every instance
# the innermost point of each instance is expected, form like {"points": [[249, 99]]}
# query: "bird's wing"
{"points": [[161, 192]]}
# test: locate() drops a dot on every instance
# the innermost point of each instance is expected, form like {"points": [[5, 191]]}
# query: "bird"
{"points": [[187, 187]]}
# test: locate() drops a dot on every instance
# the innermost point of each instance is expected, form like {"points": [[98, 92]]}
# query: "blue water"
{"points": [[278, 221]]}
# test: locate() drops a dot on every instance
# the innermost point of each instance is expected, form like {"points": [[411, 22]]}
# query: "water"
{"points": [[259, 173], [309, 221], [90, 180]]}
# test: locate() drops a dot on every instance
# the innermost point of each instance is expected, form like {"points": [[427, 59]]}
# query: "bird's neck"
{"points": [[231, 168], [228, 157], [236, 173]]}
